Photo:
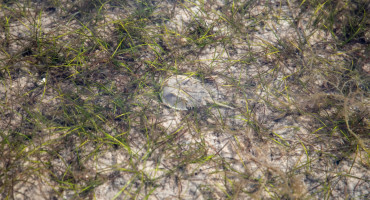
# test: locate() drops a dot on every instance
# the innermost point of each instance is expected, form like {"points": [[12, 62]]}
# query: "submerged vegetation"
{"points": [[81, 115]]}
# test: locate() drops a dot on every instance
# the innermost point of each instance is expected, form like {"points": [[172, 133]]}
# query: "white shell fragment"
{"points": [[182, 93]]}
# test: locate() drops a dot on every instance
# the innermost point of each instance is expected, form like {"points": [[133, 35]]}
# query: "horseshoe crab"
{"points": [[182, 92]]}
